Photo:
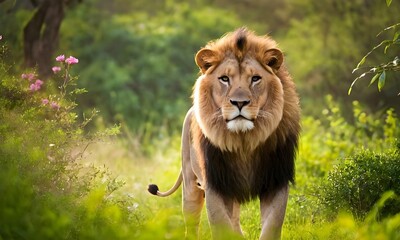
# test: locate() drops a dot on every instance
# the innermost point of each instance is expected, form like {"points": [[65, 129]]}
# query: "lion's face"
{"points": [[240, 92], [238, 98]]}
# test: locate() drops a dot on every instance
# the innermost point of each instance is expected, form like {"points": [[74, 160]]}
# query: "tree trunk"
{"points": [[41, 36]]}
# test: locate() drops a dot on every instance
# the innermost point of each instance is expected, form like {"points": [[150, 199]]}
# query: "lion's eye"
{"points": [[224, 79], [255, 79]]}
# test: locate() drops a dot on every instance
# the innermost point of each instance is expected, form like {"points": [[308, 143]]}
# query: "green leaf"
{"points": [[352, 84], [78, 91], [386, 48], [396, 36], [349, 92], [374, 79], [361, 62], [381, 81], [388, 2]]}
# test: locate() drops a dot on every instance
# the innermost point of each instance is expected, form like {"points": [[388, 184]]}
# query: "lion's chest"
{"points": [[230, 175], [246, 177]]}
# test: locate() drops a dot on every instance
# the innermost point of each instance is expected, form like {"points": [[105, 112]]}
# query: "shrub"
{"points": [[46, 192], [358, 183], [326, 142]]}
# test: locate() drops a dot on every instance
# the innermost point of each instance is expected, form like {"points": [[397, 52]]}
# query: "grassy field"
{"points": [[306, 218], [60, 181]]}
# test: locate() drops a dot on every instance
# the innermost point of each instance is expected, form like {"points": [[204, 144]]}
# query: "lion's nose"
{"points": [[240, 104]]}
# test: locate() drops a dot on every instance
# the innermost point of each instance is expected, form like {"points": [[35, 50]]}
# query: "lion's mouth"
{"points": [[239, 117], [239, 124]]}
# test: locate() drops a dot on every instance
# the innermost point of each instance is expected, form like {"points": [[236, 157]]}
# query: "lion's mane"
{"points": [[249, 164]]}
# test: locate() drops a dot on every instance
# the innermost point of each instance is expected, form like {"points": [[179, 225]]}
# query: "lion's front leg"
{"points": [[235, 217], [273, 208], [223, 214]]}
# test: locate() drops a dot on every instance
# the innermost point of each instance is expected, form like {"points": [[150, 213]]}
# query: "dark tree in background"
{"points": [[41, 33]]}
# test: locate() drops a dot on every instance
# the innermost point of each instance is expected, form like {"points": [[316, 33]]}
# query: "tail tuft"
{"points": [[153, 189]]}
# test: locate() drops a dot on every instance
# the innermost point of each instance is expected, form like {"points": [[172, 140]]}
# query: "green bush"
{"points": [[47, 193], [359, 182], [327, 141]]}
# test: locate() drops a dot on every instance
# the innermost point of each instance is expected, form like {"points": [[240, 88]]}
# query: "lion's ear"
{"points": [[205, 58], [273, 58]]}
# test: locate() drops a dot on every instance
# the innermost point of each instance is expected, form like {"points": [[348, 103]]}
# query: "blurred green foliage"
{"points": [[46, 192], [138, 57], [136, 61], [326, 41], [141, 64]]}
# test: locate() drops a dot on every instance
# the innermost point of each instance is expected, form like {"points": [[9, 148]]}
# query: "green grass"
{"points": [[162, 217]]}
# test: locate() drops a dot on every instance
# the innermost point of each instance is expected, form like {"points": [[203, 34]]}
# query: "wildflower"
{"points": [[39, 82], [36, 86], [56, 69], [45, 101], [33, 87], [71, 60], [28, 76], [1, 37], [60, 58], [54, 105]]}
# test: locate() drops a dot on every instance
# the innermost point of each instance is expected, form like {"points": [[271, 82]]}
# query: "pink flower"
{"points": [[39, 82], [60, 58], [45, 101], [71, 60], [28, 76], [1, 37], [54, 105], [36, 86], [56, 69], [33, 87]]}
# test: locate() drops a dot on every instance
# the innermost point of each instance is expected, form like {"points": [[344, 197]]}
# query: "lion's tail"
{"points": [[153, 188]]}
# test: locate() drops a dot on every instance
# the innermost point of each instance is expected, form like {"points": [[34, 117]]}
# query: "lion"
{"points": [[240, 137]]}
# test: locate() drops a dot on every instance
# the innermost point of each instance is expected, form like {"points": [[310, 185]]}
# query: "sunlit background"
{"points": [[136, 62]]}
